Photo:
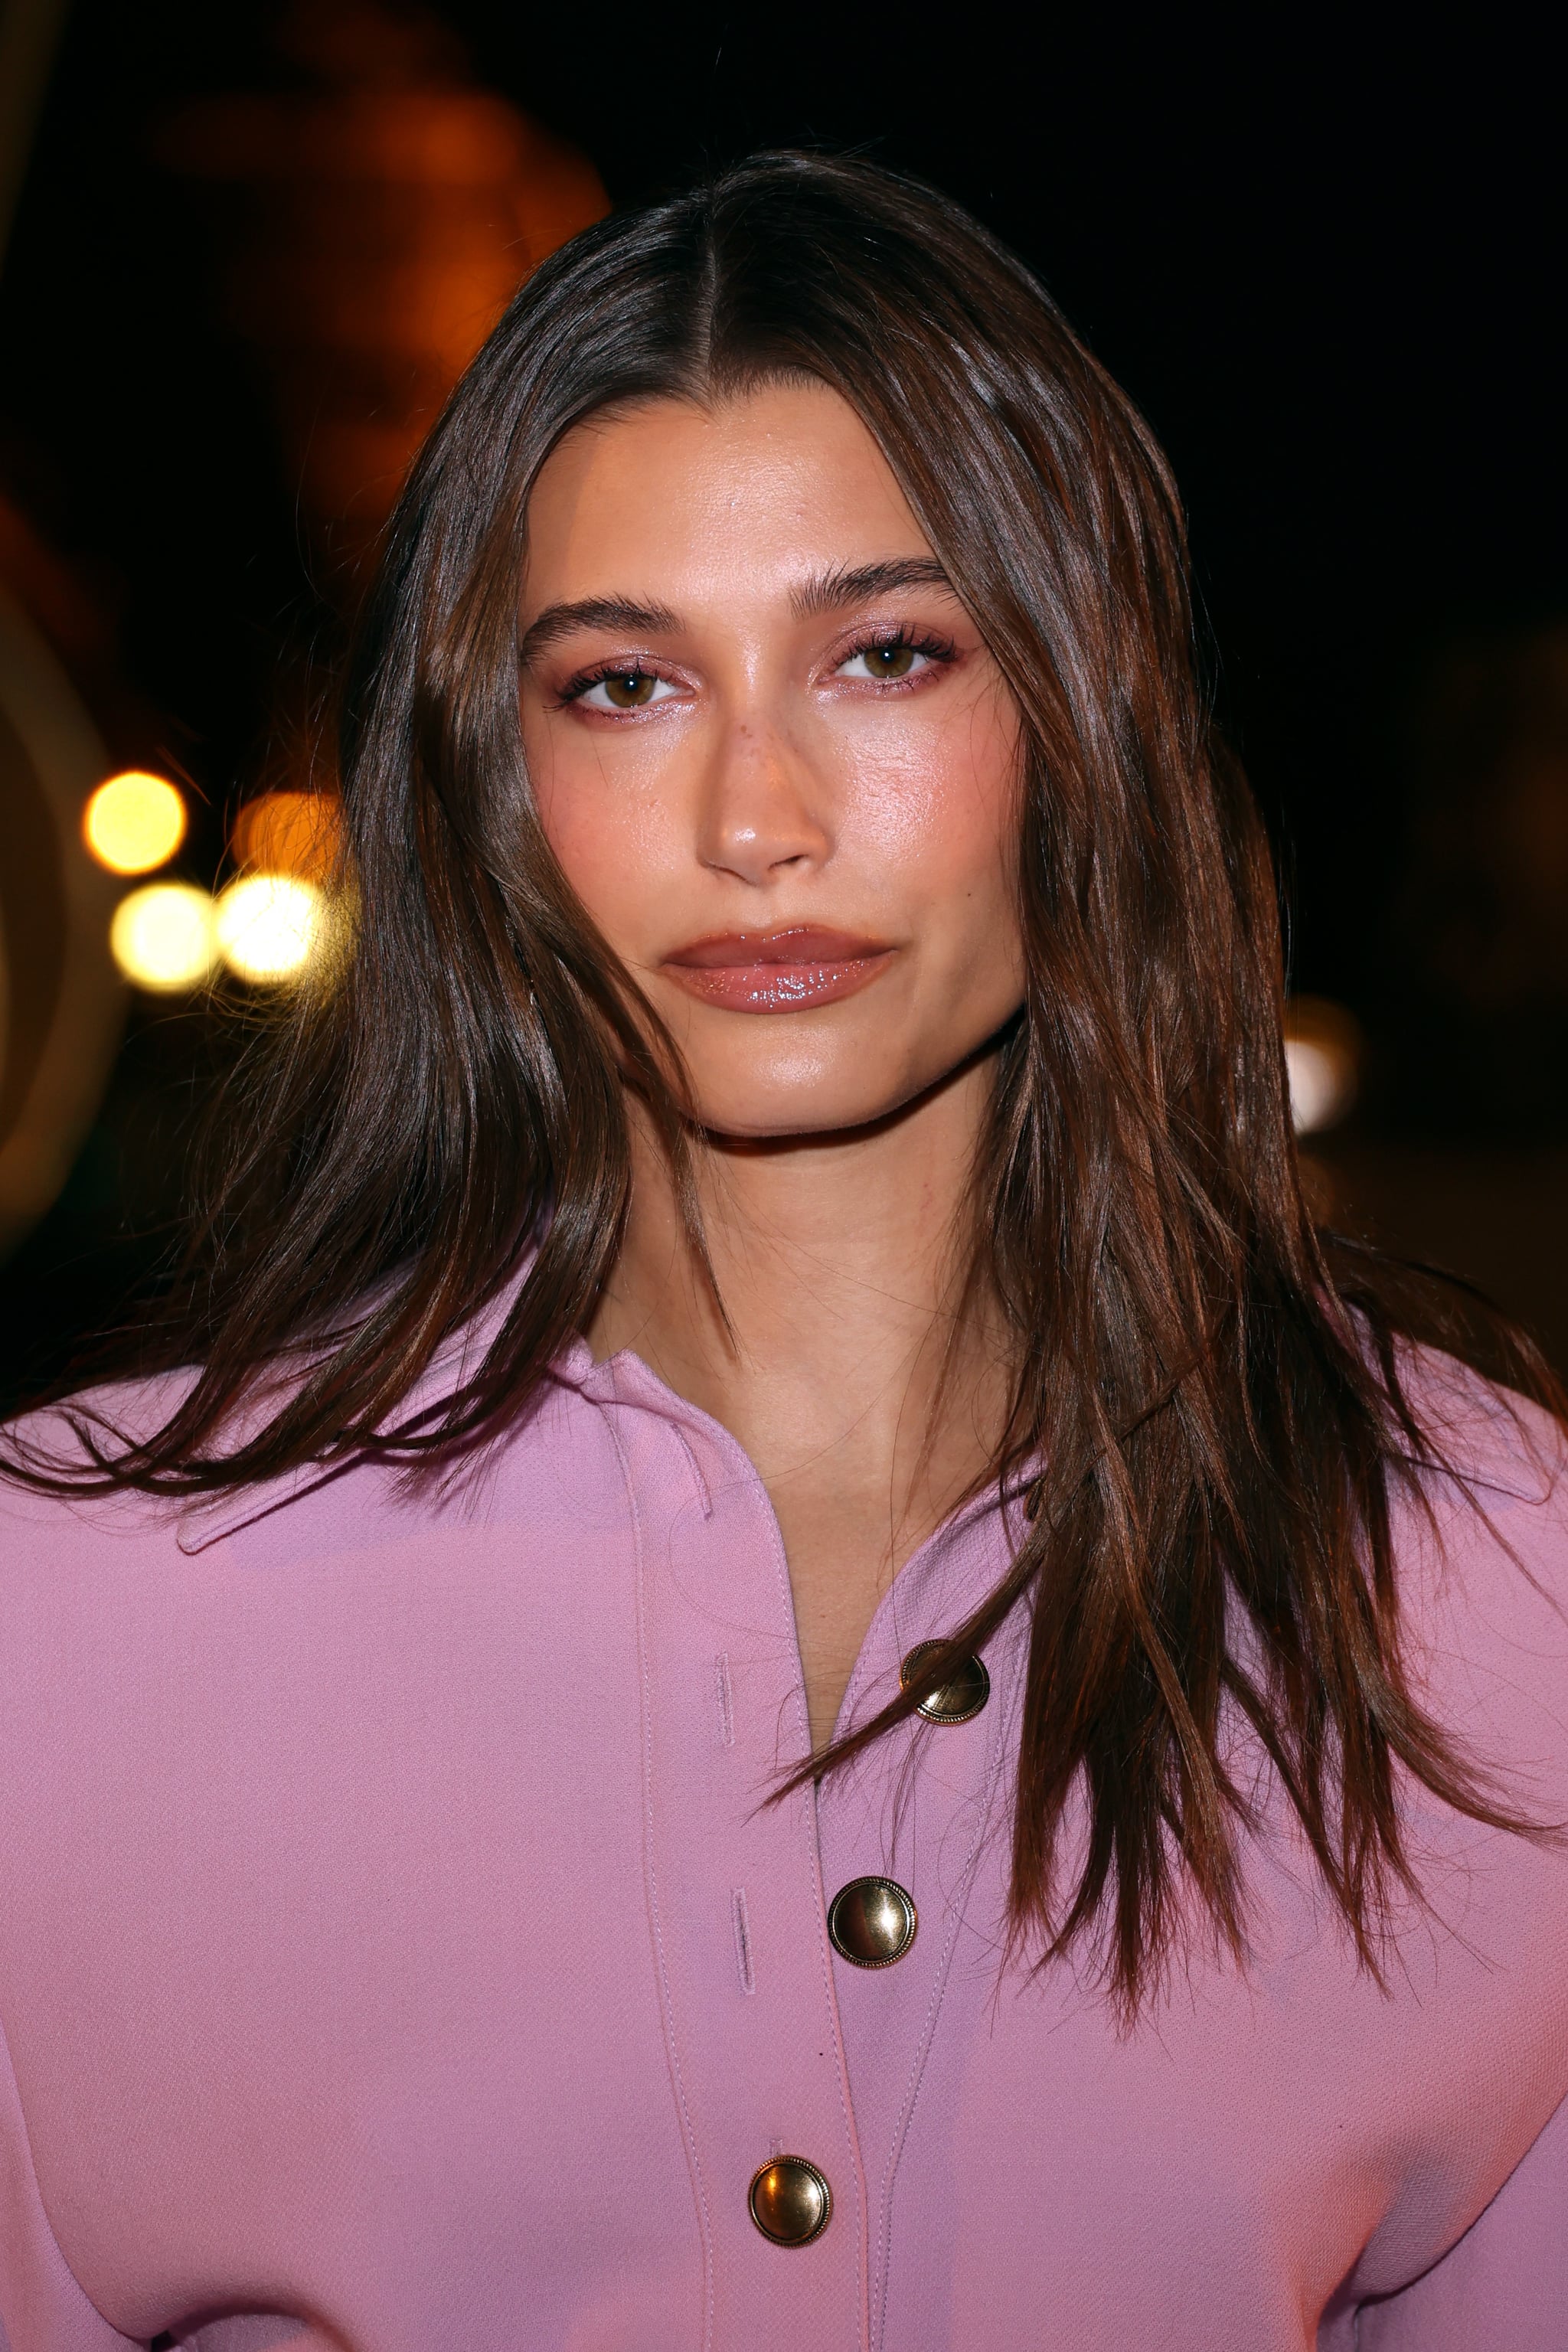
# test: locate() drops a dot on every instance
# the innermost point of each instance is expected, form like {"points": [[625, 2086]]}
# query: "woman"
{"points": [[802, 1670]]}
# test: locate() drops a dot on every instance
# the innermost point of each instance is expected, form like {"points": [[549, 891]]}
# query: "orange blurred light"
{"points": [[135, 822], [287, 833]]}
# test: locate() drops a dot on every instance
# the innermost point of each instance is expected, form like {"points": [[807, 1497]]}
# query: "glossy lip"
{"points": [[788, 970]]}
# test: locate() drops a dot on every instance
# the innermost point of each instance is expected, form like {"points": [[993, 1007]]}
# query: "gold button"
{"points": [[872, 1922], [790, 2202], [963, 1694]]}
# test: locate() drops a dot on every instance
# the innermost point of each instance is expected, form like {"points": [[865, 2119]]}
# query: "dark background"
{"points": [[1325, 256]]}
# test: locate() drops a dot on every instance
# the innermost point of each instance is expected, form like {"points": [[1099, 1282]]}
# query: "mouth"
{"points": [[777, 971]]}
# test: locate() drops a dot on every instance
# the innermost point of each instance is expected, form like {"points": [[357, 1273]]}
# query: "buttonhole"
{"points": [[726, 1701], [743, 1943]]}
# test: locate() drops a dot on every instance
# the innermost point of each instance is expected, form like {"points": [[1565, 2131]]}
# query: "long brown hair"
{"points": [[1212, 1387]]}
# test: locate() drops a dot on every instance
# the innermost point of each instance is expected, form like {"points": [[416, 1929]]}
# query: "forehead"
{"points": [[764, 489]]}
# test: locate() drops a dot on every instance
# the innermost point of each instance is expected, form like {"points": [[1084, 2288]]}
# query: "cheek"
{"points": [[938, 807], [609, 839]]}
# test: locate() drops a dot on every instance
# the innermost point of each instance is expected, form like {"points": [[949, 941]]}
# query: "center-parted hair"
{"points": [[1207, 1397]]}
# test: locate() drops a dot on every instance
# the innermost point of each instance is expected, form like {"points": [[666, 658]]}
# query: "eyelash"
{"points": [[934, 648], [586, 679]]}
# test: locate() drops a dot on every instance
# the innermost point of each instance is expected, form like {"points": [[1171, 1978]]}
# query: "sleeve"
{"points": [[1504, 2286], [42, 2307]]}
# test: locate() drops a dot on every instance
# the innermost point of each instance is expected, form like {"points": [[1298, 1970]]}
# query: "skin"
{"points": [[815, 749]]}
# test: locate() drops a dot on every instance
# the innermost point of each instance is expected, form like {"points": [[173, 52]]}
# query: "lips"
{"points": [[777, 971]]}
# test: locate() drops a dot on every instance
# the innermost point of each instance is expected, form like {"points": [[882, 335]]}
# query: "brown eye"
{"points": [[887, 663], [629, 690]]}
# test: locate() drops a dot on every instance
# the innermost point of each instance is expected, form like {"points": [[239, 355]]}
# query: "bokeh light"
{"points": [[1317, 1084], [271, 927], [163, 937], [1323, 1060], [287, 833], [135, 822]]}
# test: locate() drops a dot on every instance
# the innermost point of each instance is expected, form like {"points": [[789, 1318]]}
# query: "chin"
{"points": [[746, 1112], [765, 1125]]}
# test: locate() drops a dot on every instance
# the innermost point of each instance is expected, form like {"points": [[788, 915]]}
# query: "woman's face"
{"points": [[771, 753]]}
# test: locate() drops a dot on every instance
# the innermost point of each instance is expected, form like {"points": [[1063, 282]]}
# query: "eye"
{"points": [[891, 660], [621, 690]]}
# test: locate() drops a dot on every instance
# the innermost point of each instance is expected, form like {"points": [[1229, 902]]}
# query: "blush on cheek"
{"points": [[613, 854], [561, 812], [948, 819]]}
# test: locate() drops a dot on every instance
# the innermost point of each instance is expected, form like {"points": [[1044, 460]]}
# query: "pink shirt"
{"points": [[397, 1952]]}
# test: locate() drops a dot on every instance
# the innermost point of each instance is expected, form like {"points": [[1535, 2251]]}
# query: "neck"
{"points": [[849, 1359]]}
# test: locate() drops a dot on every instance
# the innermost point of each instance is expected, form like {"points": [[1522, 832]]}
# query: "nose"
{"points": [[762, 815]]}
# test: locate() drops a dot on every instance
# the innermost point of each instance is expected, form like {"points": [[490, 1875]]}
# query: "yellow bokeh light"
{"points": [[135, 822], [163, 937], [271, 925]]}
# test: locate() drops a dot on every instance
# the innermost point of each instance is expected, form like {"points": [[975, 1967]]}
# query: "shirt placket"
{"points": [[919, 1812], [735, 1890]]}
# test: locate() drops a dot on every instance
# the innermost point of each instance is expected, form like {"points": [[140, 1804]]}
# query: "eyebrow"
{"points": [[830, 592], [623, 613]]}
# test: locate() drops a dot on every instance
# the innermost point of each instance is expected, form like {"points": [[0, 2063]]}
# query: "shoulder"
{"points": [[1490, 1441], [1480, 1553], [57, 1511], [51, 1459], [1492, 1473]]}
